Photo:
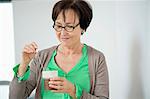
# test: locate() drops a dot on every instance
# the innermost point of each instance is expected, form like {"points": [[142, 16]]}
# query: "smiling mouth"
{"points": [[64, 38]]}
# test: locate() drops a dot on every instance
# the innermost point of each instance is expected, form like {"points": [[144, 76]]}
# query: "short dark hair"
{"points": [[82, 8]]}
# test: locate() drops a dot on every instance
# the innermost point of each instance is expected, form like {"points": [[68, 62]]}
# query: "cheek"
{"points": [[58, 35], [76, 37]]}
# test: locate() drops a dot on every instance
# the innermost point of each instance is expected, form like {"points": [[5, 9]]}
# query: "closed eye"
{"points": [[58, 26], [69, 26]]}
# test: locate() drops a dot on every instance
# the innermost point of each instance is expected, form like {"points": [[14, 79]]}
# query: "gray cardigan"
{"points": [[97, 68]]}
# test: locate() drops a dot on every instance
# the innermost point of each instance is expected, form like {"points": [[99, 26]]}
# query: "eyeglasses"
{"points": [[68, 28]]}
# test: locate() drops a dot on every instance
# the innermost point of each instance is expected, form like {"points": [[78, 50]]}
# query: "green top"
{"points": [[81, 81]]}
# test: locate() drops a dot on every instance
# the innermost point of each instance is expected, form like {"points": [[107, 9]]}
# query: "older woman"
{"points": [[82, 70]]}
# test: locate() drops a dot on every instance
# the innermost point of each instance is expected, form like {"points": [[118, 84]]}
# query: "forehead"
{"points": [[68, 17]]}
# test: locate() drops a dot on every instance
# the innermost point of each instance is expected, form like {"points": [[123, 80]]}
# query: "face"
{"points": [[68, 38]]}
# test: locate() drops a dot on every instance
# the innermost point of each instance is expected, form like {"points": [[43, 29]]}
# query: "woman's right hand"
{"points": [[28, 54]]}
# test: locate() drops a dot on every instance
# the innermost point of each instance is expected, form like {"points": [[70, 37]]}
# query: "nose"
{"points": [[63, 31]]}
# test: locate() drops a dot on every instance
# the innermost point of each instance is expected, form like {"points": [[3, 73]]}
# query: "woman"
{"points": [[82, 70]]}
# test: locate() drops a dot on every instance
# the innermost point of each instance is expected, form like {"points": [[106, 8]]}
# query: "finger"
{"points": [[35, 45], [58, 91], [27, 49], [56, 87], [57, 83], [32, 47], [57, 79]]}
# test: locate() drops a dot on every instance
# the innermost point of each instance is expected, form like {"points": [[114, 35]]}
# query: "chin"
{"points": [[65, 43]]}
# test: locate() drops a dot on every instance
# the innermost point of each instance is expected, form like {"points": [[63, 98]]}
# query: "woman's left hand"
{"points": [[62, 85]]}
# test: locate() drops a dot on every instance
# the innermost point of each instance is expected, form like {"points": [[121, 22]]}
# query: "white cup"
{"points": [[46, 75], [49, 74]]}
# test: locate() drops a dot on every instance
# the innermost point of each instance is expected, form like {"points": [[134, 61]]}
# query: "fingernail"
{"points": [[49, 82]]}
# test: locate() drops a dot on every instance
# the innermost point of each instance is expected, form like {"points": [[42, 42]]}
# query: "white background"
{"points": [[7, 51], [6, 41], [120, 29]]}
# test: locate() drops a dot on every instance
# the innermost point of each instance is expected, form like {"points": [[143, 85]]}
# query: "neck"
{"points": [[69, 50]]}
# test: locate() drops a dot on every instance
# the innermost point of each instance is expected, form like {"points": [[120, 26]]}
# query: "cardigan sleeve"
{"points": [[23, 89], [25, 76], [101, 89]]}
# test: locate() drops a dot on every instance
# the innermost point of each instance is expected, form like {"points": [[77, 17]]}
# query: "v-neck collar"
{"points": [[77, 65]]}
